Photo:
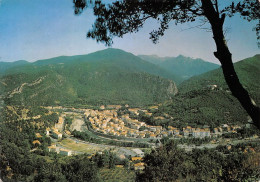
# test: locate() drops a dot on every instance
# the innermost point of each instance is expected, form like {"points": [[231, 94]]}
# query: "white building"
{"points": [[65, 152], [138, 152], [56, 134]]}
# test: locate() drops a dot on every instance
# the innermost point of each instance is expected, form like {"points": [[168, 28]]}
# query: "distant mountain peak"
{"points": [[182, 66], [181, 56]]}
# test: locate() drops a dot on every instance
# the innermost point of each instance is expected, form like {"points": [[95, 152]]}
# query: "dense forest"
{"points": [[206, 99], [168, 163]]}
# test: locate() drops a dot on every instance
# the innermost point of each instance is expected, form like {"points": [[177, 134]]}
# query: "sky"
{"points": [[39, 29]]}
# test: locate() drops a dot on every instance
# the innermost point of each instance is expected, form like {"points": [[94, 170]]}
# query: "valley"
{"points": [[115, 113], [110, 128]]}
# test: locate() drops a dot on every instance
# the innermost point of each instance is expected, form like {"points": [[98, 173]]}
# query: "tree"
{"points": [[164, 164], [127, 16]]}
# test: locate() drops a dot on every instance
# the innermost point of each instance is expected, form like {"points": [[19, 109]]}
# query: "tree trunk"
{"points": [[225, 57]]}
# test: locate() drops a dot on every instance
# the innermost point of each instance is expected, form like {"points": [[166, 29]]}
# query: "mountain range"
{"points": [[111, 76], [8, 65], [184, 67]]}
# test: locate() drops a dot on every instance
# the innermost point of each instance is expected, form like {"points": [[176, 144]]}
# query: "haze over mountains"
{"points": [[7, 65], [182, 66]]}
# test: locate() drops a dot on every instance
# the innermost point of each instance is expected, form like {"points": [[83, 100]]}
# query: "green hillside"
{"points": [[110, 76], [184, 67], [206, 99], [7, 65]]}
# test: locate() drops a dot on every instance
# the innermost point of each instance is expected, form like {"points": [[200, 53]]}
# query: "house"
{"points": [[212, 87], [178, 136], [176, 132], [134, 110], [134, 126], [148, 114], [122, 156], [120, 166], [152, 136], [36, 142], [229, 147], [138, 152], [170, 132], [126, 152], [38, 135], [57, 134], [54, 129], [158, 128], [113, 106], [139, 166], [165, 134], [87, 113], [53, 148], [153, 107], [196, 134], [48, 131], [152, 129], [61, 120], [136, 158], [141, 135], [124, 134], [159, 118], [65, 152], [186, 132], [207, 132]]}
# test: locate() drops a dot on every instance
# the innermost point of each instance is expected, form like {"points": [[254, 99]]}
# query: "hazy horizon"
{"points": [[37, 30]]}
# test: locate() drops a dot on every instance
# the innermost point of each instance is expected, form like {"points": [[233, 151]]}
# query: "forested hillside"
{"points": [[7, 65], [206, 99], [110, 76]]}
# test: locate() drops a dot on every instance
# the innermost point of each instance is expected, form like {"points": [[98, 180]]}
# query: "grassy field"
{"points": [[80, 147], [117, 175]]}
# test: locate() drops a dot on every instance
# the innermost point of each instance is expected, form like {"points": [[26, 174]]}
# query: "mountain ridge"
{"points": [[184, 67], [104, 77], [206, 99]]}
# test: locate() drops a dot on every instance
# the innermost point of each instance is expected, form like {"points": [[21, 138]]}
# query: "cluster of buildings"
{"points": [[196, 132], [225, 129], [108, 122], [54, 132], [53, 148], [203, 132], [58, 150]]}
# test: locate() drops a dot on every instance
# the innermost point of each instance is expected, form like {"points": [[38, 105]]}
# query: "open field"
{"points": [[81, 147]]}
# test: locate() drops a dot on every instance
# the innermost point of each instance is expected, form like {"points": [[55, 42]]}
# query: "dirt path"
{"points": [[19, 89]]}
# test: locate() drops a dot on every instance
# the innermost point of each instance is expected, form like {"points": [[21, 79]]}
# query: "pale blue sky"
{"points": [[39, 29]]}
